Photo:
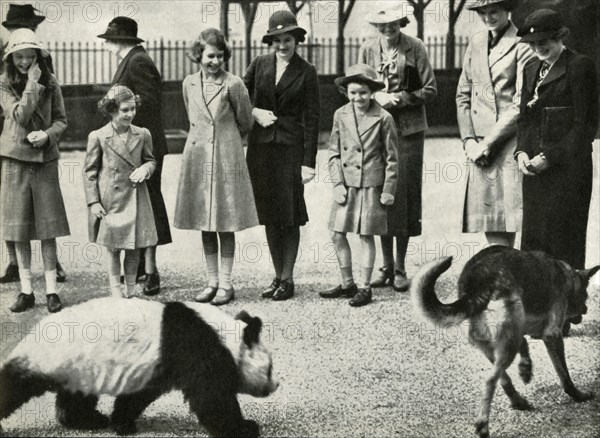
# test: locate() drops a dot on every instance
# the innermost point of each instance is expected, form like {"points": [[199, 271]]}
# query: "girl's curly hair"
{"points": [[117, 94], [211, 36]]}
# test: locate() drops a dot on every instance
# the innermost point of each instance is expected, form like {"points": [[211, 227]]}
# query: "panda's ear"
{"points": [[243, 316], [252, 331]]}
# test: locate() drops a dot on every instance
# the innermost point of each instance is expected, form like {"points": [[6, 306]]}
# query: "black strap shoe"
{"points": [[268, 292], [383, 277], [340, 292], [24, 302], [285, 291], [362, 297], [53, 303], [11, 274], [152, 284]]}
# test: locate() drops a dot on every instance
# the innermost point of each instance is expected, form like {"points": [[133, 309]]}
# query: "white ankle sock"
{"points": [[50, 277], [130, 284], [25, 275], [212, 267], [115, 286], [225, 273]]}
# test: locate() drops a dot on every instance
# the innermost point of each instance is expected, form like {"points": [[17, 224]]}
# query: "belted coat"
{"points": [[129, 220]]}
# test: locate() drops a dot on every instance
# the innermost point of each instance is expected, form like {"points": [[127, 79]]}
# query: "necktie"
{"points": [[542, 74]]}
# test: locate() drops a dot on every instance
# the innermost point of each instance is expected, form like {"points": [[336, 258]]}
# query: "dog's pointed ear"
{"points": [[589, 273]]}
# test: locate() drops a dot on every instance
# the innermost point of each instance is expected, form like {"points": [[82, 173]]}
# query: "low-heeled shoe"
{"points": [[401, 282], [223, 296], [384, 277], [11, 274], [53, 303], [362, 297], [152, 284], [285, 291], [340, 292], [268, 292], [24, 302], [206, 295]]}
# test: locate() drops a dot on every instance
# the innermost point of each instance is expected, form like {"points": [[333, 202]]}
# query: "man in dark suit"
{"points": [[137, 71]]}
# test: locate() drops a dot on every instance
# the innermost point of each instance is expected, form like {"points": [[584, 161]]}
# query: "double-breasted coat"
{"points": [[363, 156], [561, 124], [129, 221], [487, 107], [138, 72], [215, 192], [415, 86], [277, 153]]}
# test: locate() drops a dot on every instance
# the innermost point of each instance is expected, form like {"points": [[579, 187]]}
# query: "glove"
{"points": [[524, 164], [475, 150], [97, 210], [386, 100], [339, 194], [139, 175], [539, 163], [308, 174], [386, 199]]}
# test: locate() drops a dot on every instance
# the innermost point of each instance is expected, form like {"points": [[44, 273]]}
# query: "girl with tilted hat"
{"points": [[487, 111], [32, 202], [363, 166], [215, 193], [402, 64], [282, 145]]}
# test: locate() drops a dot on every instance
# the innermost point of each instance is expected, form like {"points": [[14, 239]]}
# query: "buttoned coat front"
{"points": [[129, 221], [215, 192], [487, 104]]}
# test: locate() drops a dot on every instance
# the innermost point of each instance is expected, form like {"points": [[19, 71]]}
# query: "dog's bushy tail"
{"points": [[425, 301]]}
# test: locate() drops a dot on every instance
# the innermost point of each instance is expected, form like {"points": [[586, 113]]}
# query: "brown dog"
{"points": [[506, 294]]}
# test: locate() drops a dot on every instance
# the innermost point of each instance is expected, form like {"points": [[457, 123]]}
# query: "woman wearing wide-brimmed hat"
{"points": [[556, 127], [402, 63], [282, 146], [487, 110]]}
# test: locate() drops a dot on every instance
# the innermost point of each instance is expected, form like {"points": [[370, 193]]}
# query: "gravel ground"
{"points": [[374, 371]]}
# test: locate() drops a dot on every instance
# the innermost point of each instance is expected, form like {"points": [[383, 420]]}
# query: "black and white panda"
{"points": [[137, 350]]}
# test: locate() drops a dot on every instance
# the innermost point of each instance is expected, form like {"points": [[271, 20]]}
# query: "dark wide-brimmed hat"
{"points": [[361, 74], [282, 22], [22, 16], [540, 25], [122, 29], [509, 4], [384, 15]]}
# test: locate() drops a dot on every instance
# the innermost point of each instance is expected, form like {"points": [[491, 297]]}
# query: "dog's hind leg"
{"points": [[556, 351], [525, 364]]}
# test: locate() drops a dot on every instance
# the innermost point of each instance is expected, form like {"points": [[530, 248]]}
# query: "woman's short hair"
{"points": [[298, 34], [561, 34], [211, 36], [117, 94]]}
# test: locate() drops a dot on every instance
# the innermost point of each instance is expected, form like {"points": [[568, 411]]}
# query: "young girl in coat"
{"points": [[363, 166], [215, 193], [32, 203], [118, 162]]}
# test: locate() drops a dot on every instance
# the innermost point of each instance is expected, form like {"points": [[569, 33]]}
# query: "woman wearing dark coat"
{"points": [[556, 127], [282, 145]]}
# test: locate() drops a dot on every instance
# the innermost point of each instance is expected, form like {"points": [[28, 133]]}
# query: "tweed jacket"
{"points": [[39, 108], [570, 90], [138, 72], [367, 155], [487, 96], [108, 164], [295, 102], [410, 114]]}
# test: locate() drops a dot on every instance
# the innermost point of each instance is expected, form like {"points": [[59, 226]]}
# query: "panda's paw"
{"points": [[249, 428], [125, 428]]}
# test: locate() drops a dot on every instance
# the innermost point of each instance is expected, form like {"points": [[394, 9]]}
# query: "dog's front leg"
{"points": [[556, 351]]}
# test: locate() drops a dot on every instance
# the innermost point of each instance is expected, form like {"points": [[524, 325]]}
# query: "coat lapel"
{"points": [[269, 80], [347, 118], [114, 143], [507, 42], [370, 119], [214, 92], [531, 72], [292, 71], [197, 96], [480, 47], [558, 69], [124, 62], [134, 139], [404, 51]]}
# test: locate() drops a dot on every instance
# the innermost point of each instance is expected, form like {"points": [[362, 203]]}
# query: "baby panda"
{"points": [[137, 350]]}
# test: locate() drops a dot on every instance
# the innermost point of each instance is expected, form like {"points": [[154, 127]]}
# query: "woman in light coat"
{"points": [[215, 193], [487, 112]]}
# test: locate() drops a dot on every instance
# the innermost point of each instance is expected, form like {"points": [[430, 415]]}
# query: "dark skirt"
{"points": [[161, 219], [277, 184], [556, 205], [32, 202]]}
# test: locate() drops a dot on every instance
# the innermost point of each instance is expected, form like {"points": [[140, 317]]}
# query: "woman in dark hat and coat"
{"points": [[282, 145], [556, 127], [402, 63], [487, 110], [137, 71]]}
